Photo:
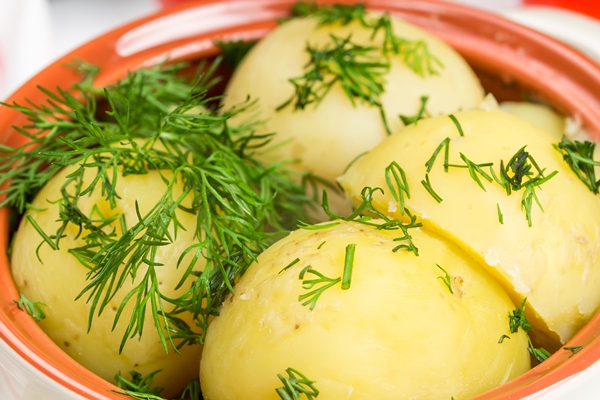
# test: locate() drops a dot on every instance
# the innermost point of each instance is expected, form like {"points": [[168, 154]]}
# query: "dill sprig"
{"points": [[427, 185], [348, 266], [475, 170], [328, 14], [365, 212], [580, 157], [154, 120], [415, 53], [295, 385], [445, 279], [33, 308], [357, 70], [396, 181], [232, 52], [138, 384], [445, 144], [316, 286], [518, 174], [516, 320], [421, 113]]}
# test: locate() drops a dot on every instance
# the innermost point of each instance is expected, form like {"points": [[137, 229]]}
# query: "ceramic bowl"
{"points": [[509, 59]]}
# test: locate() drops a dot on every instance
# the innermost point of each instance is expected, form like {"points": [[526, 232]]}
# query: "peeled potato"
{"points": [[553, 262], [56, 277], [325, 137], [540, 115], [397, 331]]}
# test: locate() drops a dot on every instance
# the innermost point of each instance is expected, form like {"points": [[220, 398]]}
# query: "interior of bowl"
{"points": [[511, 61]]}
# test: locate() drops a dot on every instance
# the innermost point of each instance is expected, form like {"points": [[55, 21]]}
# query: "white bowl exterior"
{"points": [[21, 381]]}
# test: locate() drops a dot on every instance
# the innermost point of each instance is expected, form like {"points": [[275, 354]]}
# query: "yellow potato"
{"points": [[540, 115], [553, 262], [59, 277], [397, 331], [326, 137]]}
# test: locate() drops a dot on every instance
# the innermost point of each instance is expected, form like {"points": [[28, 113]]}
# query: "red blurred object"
{"points": [[588, 7], [169, 3]]}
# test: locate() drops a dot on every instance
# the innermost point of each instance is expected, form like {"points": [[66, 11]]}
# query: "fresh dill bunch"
{"points": [[155, 119]]}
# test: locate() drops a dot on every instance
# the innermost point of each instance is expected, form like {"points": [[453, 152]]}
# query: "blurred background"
{"points": [[33, 33]]}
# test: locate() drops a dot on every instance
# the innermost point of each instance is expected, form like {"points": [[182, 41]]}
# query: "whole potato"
{"points": [[397, 331], [553, 262], [326, 136], [540, 115], [56, 278]]}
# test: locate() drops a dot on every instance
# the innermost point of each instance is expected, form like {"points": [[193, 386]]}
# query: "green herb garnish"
{"points": [[348, 266], [395, 177], [331, 13], [232, 52], [446, 279], [291, 264], [518, 320], [500, 215], [573, 349], [475, 170], [457, 124], [407, 120], [363, 215], [427, 185], [580, 157], [321, 280], [139, 387], [445, 144], [33, 308], [519, 174], [154, 120], [354, 67], [415, 54], [295, 385], [358, 69]]}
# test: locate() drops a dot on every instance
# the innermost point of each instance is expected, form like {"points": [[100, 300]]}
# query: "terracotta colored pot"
{"points": [[508, 58]]}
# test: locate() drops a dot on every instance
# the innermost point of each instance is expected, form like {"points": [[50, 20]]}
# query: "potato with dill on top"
{"points": [[56, 277], [349, 310], [334, 83], [142, 217], [506, 192]]}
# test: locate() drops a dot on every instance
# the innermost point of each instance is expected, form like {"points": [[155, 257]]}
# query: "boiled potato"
{"points": [[326, 136], [553, 262], [540, 115], [56, 277], [397, 331]]}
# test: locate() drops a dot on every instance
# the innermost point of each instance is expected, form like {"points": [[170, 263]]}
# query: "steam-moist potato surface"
{"points": [[554, 262], [397, 332], [56, 277], [327, 136]]}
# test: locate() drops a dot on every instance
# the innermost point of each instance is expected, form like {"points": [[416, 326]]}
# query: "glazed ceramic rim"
{"points": [[488, 41]]}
